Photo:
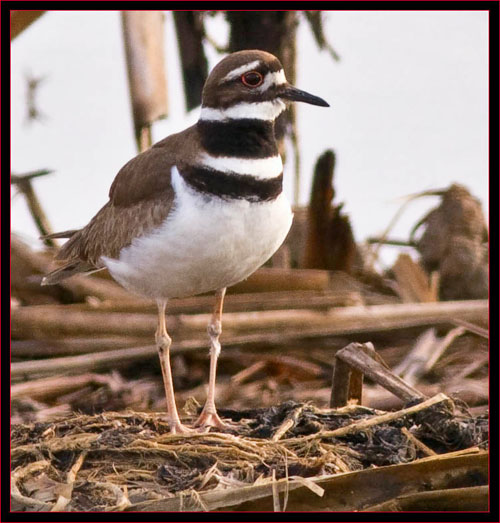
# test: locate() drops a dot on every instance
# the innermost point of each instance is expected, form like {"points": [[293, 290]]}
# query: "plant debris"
{"points": [[127, 458], [409, 427]]}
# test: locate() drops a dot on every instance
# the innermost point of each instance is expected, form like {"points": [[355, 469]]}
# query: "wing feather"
{"points": [[140, 198]]}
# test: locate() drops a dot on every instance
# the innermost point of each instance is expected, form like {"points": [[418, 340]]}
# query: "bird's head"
{"points": [[251, 82]]}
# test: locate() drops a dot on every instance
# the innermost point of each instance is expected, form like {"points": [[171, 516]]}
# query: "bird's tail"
{"points": [[63, 234], [68, 270], [69, 255]]}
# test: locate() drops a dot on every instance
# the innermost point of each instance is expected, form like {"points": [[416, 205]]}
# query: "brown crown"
{"points": [[219, 94]]}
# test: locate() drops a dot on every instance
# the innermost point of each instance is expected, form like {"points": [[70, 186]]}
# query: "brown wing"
{"points": [[140, 199], [113, 228]]}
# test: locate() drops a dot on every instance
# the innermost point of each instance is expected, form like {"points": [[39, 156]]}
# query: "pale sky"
{"points": [[409, 111]]}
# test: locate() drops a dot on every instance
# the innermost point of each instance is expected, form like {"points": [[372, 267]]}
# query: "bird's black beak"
{"points": [[289, 92]]}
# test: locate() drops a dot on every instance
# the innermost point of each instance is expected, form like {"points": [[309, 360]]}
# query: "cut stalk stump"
{"points": [[356, 360]]}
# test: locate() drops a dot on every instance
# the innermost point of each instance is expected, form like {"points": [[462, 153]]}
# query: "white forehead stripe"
{"points": [[258, 111], [262, 168], [241, 70]]}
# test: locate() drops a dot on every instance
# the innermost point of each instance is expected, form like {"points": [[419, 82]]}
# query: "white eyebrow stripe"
{"points": [[262, 168], [277, 78], [268, 110], [240, 70]]}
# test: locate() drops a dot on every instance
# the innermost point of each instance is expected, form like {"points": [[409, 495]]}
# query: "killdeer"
{"points": [[200, 210]]}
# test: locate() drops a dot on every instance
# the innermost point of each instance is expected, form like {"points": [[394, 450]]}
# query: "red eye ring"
{"points": [[252, 79]]}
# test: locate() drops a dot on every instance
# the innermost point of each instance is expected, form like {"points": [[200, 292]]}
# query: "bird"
{"points": [[198, 211]]}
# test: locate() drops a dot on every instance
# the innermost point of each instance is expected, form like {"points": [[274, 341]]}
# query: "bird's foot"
{"points": [[176, 427], [209, 418]]}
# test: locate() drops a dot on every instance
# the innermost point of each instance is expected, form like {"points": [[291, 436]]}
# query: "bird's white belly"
{"points": [[206, 243]]}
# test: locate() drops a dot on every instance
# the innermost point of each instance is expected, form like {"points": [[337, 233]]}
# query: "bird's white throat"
{"points": [[268, 110]]}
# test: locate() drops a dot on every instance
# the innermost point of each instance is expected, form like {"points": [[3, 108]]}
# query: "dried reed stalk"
{"points": [[38, 322], [143, 33]]}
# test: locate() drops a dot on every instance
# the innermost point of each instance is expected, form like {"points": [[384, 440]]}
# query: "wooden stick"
{"points": [[357, 356], [144, 138], [20, 20], [355, 391], [421, 446], [340, 384], [46, 388], [21, 178], [288, 423], [258, 301], [35, 322], [24, 184], [144, 52], [247, 372], [371, 422], [425, 353], [476, 329], [190, 35], [464, 499], [111, 359], [69, 346], [471, 391], [408, 367], [95, 361], [387, 241], [471, 368], [284, 279], [441, 346], [276, 494]]}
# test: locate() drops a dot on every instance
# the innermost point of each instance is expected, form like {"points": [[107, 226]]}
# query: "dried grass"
{"points": [[117, 461]]}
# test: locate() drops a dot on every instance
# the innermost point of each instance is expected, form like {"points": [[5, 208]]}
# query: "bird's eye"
{"points": [[252, 79]]}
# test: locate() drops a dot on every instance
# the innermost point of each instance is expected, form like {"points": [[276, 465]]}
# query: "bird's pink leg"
{"points": [[163, 342], [209, 416]]}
